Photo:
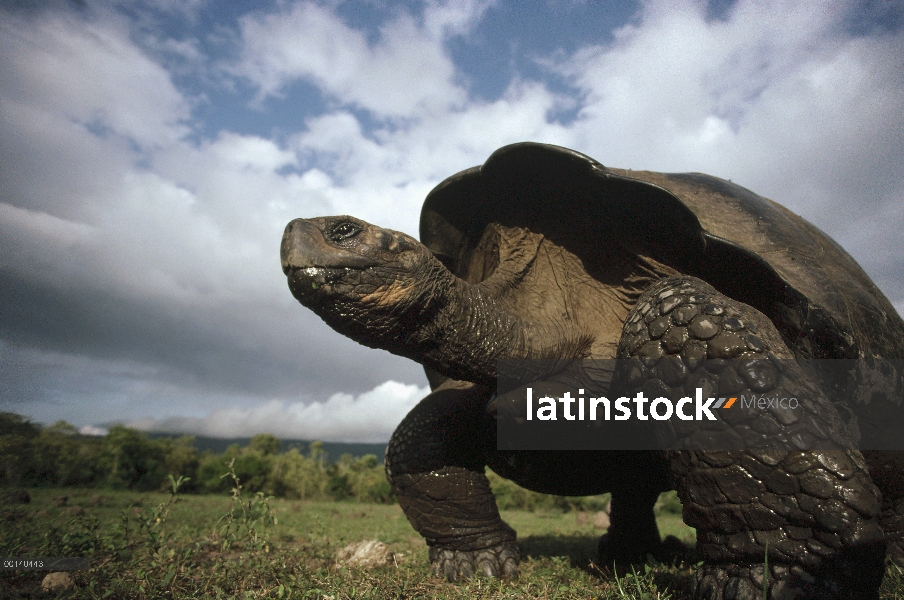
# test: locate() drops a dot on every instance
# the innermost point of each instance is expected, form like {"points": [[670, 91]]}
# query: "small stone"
{"points": [[601, 520], [55, 582], [367, 554]]}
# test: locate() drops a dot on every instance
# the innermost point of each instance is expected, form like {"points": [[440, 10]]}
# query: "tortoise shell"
{"points": [[748, 247]]}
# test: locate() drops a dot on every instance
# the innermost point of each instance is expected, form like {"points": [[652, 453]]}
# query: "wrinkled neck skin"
{"points": [[473, 332], [456, 328]]}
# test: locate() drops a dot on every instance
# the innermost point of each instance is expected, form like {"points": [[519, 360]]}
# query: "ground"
{"points": [[195, 550]]}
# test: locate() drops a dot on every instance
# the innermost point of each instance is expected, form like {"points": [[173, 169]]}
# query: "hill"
{"points": [[333, 449]]}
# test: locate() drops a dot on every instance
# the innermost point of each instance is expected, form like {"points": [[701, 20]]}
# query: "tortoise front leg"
{"points": [[817, 512], [435, 463]]}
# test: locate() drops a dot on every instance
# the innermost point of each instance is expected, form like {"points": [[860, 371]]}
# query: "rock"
{"points": [[601, 520], [583, 518], [54, 582], [367, 554]]}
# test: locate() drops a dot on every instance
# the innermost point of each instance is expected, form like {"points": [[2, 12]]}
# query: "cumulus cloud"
{"points": [[92, 431], [90, 74], [122, 242], [778, 97], [138, 252], [368, 417], [404, 74]]}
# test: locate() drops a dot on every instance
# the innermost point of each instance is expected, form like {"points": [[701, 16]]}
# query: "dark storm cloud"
{"points": [[267, 354], [140, 218]]}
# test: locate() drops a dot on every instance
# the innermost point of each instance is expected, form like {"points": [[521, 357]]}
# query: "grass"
{"points": [[148, 545]]}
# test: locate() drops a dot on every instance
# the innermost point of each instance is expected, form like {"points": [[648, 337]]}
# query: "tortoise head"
{"points": [[359, 278]]}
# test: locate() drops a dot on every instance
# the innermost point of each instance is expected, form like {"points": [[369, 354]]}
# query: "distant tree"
{"points": [[295, 476], [134, 461], [13, 424], [16, 452], [181, 458], [266, 443], [64, 457]]}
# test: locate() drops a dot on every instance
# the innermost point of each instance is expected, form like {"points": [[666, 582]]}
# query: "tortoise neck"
{"points": [[471, 331]]}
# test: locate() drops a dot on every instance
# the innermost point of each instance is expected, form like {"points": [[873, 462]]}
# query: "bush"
{"points": [[295, 476], [362, 478], [16, 435]]}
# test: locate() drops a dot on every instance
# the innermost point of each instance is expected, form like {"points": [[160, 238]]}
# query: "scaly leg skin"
{"points": [[816, 509], [435, 463], [887, 471]]}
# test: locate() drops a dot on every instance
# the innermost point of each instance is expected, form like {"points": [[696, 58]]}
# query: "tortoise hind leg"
{"points": [[817, 512], [435, 463], [887, 471], [633, 533]]}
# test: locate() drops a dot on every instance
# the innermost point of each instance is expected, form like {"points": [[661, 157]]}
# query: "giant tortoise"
{"points": [[543, 253]]}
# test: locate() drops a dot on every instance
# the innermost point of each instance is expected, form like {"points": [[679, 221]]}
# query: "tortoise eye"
{"points": [[343, 231]]}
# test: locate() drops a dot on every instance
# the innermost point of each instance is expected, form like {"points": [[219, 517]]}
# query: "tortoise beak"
{"points": [[304, 245]]}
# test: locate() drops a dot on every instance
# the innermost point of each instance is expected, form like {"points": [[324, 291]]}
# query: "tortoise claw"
{"points": [[456, 565]]}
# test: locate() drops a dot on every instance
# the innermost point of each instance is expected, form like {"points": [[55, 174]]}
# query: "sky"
{"points": [[151, 154]]}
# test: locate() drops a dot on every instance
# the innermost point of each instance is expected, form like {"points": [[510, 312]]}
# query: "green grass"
{"points": [[151, 545]]}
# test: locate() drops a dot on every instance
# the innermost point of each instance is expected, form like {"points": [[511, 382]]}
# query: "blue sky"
{"points": [[153, 152]]}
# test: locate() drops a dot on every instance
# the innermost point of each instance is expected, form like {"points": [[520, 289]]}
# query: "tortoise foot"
{"points": [[735, 582], [495, 561], [747, 582]]}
